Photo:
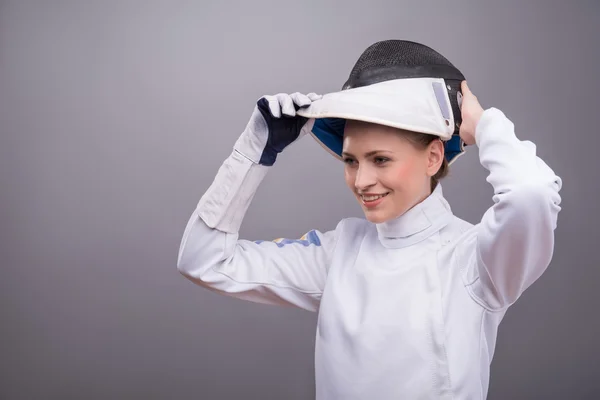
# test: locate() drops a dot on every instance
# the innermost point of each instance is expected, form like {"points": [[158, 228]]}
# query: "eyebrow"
{"points": [[369, 154]]}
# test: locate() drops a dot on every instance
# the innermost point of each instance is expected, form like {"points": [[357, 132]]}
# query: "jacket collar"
{"points": [[418, 223]]}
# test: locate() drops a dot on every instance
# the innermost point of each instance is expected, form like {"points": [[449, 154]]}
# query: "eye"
{"points": [[349, 161], [381, 160]]}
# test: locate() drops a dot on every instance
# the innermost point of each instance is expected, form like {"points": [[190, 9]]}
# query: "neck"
{"points": [[418, 223]]}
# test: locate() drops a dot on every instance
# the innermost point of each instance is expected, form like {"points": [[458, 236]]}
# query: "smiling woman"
{"points": [[409, 298], [389, 169]]}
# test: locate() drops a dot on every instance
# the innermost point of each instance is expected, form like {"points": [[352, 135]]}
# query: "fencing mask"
{"points": [[395, 83]]}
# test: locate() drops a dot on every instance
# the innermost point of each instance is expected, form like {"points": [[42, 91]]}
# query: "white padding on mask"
{"points": [[410, 104]]}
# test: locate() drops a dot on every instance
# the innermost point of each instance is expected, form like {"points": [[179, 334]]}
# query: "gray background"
{"points": [[115, 116]]}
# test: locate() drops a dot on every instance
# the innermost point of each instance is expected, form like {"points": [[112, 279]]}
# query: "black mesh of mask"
{"points": [[400, 59]]}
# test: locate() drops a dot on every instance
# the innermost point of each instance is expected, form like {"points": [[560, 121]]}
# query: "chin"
{"points": [[381, 216], [376, 217]]}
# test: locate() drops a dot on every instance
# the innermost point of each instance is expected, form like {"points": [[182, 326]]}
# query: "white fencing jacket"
{"points": [[407, 309]]}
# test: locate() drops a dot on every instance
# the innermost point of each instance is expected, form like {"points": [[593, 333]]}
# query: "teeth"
{"points": [[372, 198]]}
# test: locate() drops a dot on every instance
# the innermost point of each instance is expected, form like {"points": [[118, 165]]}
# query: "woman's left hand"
{"points": [[471, 112]]}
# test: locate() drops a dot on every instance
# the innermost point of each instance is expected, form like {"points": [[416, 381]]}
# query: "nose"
{"points": [[365, 178]]}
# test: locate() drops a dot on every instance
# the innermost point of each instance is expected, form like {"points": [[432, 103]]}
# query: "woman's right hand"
{"points": [[274, 125], [471, 112]]}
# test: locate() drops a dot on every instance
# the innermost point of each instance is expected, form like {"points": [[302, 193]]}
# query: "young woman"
{"points": [[409, 298]]}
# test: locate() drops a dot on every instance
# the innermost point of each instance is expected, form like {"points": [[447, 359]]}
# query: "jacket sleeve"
{"points": [[211, 254], [514, 242]]}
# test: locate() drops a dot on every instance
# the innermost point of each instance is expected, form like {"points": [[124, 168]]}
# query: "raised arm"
{"points": [[285, 272], [514, 242]]}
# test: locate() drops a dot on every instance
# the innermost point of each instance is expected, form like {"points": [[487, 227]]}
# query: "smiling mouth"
{"points": [[372, 198]]}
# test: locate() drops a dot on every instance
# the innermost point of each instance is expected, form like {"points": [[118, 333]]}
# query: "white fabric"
{"points": [[408, 309], [227, 199], [408, 104]]}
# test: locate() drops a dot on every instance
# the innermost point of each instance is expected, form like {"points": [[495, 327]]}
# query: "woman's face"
{"points": [[387, 173]]}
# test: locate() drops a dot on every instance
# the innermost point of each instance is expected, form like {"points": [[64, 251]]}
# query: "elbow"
{"points": [[203, 254], [191, 261], [538, 191], [196, 263], [184, 266], [536, 204], [183, 256], [530, 219], [197, 252], [196, 272], [191, 264]]}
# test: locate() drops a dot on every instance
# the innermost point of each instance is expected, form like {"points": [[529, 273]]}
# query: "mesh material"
{"points": [[397, 52]]}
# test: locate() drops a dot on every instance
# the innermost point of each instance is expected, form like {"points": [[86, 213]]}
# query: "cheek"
{"points": [[349, 176], [402, 176]]}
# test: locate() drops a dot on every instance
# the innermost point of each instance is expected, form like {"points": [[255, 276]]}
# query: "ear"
{"points": [[435, 156]]}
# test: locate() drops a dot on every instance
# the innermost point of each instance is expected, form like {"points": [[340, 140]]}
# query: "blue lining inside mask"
{"points": [[330, 132]]}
